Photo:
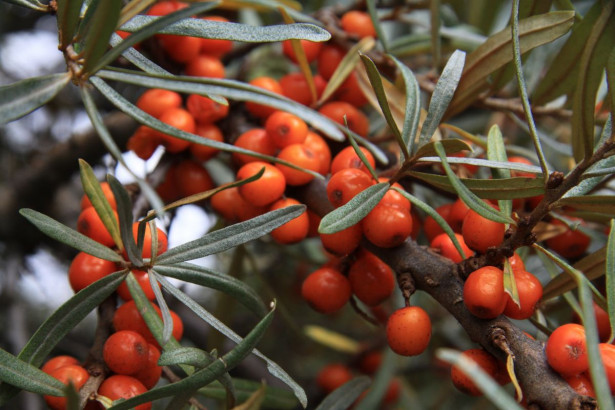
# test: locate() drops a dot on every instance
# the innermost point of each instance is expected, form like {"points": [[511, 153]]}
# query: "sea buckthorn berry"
{"points": [[444, 245], [314, 220], [348, 158], [516, 262], [233, 207], [332, 376], [481, 233], [387, 226], [310, 48], [581, 384], [72, 373], [326, 290], [209, 132], [372, 281], [602, 322], [147, 240], [181, 49], [571, 243], [143, 142], [488, 363], [370, 362], [162, 8], [156, 101], [336, 110], [85, 201], [192, 178], [358, 23], [265, 190], [294, 230], [394, 198], [529, 290], [285, 129], [607, 353], [215, 47], [350, 91], [322, 150], [205, 110], [127, 317], [205, 66], [151, 372], [295, 86], [143, 280], [457, 214], [270, 84], [483, 292], [566, 349], [120, 386], [521, 160], [256, 140], [431, 227], [180, 119], [86, 269], [125, 352], [302, 156], [90, 224], [343, 242], [57, 362], [345, 184], [408, 331], [329, 59]]}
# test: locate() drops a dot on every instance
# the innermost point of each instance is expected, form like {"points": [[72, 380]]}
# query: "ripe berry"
{"points": [[570, 244], [444, 245], [73, 373], [233, 207], [215, 47], [481, 233], [90, 224], [372, 281], [256, 140], [310, 48], [336, 110], [151, 372], [529, 290], [581, 384], [85, 201], [294, 230], [348, 158], [333, 376], [343, 242], [458, 212], [358, 23], [431, 227], [345, 184], [408, 331], [143, 280], [161, 237], [516, 262], [295, 86], [602, 322], [205, 110], [319, 146], [394, 198], [387, 226], [180, 119], [57, 362], [205, 66], [143, 142], [120, 386], [302, 156], [125, 352], [483, 292], [86, 269], [326, 290], [607, 353], [285, 129], [350, 91], [270, 84], [192, 178], [208, 132], [329, 59], [162, 8], [488, 363], [265, 190], [127, 317], [566, 350], [181, 49], [156, 101]]}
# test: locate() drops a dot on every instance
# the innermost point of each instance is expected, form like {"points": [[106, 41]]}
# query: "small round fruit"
{"points": [[310, 48], [192, 178], [348, 158], [333, 376], [205, 110], [156, 101], [488, 363], [431, 227], [86, 269], [483, 292], [216, 47], [607, 353], [256, 140], [358, 23], [458, 212], [343, 242], [319, 146], [581, 384], [329, 59], [85, 201], [296, 87], [529, 290], [270, 84], [570, 244], [372, 281], [444, 245], [90, 224], [336, 110], [72, 373], [387, 226], [205, 66], [151, 372], [57, 362], [120, 386], [294, 230], [566, 350], [147, 240], [408, 331], [209, 132], [345, 184], [285, 129], [142, 278], [265, 190], [233, 207], [326, 290], [181, 119], [126, 352], [302, 156], [481, 233]]}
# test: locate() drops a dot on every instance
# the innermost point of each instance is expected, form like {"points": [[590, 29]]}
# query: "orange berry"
{"points": [[408, 331], [488, 363], [333, 376], [205, 66], [294, 230], [481, 233], [125, 352], [285, 129], [192, 178], [431, 227], [143, 142], [208, 132], [302, 156], [180, 119], [483, 292], [256, 140], [607, 353], [72, 373], [581, 384], [147, 240], [458, 212], [120, 386], [345, 184], [444, 245], [350, 91], [86, 269], [326, 290], [90, 224], [57, 362], [310, 48], [181, 49], [156, 101], [358, 23], [215, 47], [205, 110], [151, 372], [296, 87], [143, 280], [529, 290], [233, 207], [265, 190], [322, 150], [270, 84], [343, 242], [387, 226], [329, 59], [566, 349], [357, 121], [372, 281], [570, 244], [348, 158]]}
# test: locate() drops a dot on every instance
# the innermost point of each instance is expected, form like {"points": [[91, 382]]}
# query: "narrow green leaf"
{"points": [[105, 17], [591, 69], [231, 236], [167, 320], [593, 266], [94, 192], [25, 96], [436, 216], [31, 4], [231, 89], [186, 355], [434, 25], [442, 95], [510, 284], [138, 59], [381, 382], [114, 150], [67, 12], [451, 146], [466, 195], [376, 82], [373, 12], [353, 142], [215, 280], [413, 105], [207, 375], [355, 210], [494, 53], [153, 25], [343, 397], [68, 236], [272, 367], [72, 396], [491, 389], [27, 377], [275, 397], [496, 151], [610, 278], [604, 204], [124, 212]]}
